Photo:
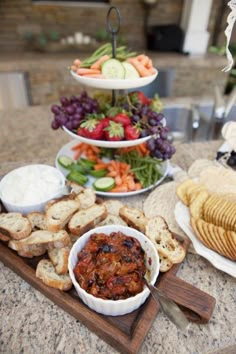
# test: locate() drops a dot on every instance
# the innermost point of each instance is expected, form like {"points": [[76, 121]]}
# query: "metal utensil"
{"points": [[169, 307]]}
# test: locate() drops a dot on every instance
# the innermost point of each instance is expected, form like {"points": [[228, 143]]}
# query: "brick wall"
{"points": [[66, 20]]}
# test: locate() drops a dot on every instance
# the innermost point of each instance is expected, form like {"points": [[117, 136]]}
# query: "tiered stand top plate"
{"points": [[117, 84]]}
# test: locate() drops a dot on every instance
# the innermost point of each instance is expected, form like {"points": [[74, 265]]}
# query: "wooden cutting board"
{"points": [[125, 333]]}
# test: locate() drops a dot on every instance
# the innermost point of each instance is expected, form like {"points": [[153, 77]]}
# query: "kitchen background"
{"points": [[38, 42]]}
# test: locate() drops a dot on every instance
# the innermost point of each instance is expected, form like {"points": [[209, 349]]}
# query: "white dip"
{"points": [[31, 184]]}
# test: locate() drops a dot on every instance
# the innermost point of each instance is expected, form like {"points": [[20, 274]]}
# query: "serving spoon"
{"points": [[169, 307]]}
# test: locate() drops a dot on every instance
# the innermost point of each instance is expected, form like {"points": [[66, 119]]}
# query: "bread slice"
{"points": [[46, 272], [37, 220], [87, 198], [58, 215], [113, 206], [165, 263], [34, 252], [112, 220], [59, 258], [4, 237], [166, 244], [134, 218], [86, 219], [75, 188], [41, 238], [14, 225]]}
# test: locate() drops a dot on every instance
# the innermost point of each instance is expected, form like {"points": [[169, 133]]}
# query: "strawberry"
{"points": [[91, 129], [114, 131], [105, 121], [132, 132], [138, 97], [123, 119]]}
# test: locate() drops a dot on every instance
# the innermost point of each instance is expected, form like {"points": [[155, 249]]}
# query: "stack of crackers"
{"points": [[212, 213]]}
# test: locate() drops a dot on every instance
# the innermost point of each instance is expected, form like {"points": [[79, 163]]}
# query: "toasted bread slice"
{"points": [[86, 219], [46, 272], [14, 225], [158, 232], [75, 187], [113, 206], [44, 238], [37, 220], [134, 218], [87, 198], [112, 220], [58, 215], [59, 258], [165, 263], [34, 252]]}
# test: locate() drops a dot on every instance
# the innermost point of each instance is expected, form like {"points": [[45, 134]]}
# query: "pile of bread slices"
{"points": [[53, 232]]}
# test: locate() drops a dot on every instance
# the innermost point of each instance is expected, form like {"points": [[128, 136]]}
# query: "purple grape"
{"points": [[135, 118], [154, 130], [152, 121], [55, 109], [151, 144], [69, 125], [55, 125], [64, 101], [144, 133], [70, 110], [77, 116]]}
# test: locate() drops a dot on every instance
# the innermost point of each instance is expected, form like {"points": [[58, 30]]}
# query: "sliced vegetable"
{"points": [[98, 173], [65, 161], [77, 177], [113, 69], [130, 71], [104, 184]]}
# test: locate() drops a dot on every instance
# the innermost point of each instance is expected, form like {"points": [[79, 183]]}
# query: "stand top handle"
{"points": [[111, 29]]}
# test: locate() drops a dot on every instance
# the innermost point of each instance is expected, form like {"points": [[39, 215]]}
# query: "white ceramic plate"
{"points": [[66, 150], [104, 143], [182, 217], [111, 84]]}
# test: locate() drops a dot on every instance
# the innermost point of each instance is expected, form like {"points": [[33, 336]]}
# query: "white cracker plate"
{"points": [[182, 217]]}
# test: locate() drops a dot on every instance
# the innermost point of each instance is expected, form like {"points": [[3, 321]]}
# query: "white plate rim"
{"points": [[68, 146], [108, 144], [114, 84], [182, 217]]}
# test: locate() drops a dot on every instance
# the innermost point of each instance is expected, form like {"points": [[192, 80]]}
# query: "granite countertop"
{"points": [[32, 323]]}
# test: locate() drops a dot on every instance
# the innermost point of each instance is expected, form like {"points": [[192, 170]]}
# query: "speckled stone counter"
{"points": [[30, 323]]}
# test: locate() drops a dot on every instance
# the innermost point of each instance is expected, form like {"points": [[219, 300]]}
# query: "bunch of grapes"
{"points": [[73, 110], [153, 123]]}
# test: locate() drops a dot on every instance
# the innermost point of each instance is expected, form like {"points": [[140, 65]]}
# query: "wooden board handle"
{"points": [[197, 305]]}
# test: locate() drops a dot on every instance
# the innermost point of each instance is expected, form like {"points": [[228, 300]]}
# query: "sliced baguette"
{"points": [[41, 238], [112, 220], [87, 198], [86, 219], [158, 232], [14, 225], [59, 258], [75, 188], [58, 215], [37, 220], [4, 237], [113, 206], [134, 218], [46, 272], [35, 252], [165, 263]]}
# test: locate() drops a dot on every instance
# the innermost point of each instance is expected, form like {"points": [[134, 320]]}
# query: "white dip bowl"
{"points": [[29, 188]]}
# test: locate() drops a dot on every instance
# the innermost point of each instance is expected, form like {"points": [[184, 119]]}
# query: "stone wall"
{"points": [[16, 15]]}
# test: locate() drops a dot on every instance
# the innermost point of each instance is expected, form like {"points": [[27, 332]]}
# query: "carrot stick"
{"points": [[84, 71], [119, 189], [97, 65], [76, 147], [139, 67]]}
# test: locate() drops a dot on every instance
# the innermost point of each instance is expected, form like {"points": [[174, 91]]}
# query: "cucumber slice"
{"points": [[130, 71], [65, 161], [104, 184], [113, 69], [98, 173]]}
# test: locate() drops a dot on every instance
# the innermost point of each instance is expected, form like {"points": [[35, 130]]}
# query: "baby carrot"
{"points": [[84, 71], [99, 62]]}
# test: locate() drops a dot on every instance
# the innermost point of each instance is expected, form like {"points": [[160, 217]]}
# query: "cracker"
{"points": [[193, 191], [198, 166], [197, 205], [231, 237], [200, 235], [181, 190]]}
